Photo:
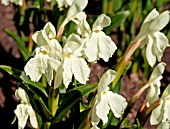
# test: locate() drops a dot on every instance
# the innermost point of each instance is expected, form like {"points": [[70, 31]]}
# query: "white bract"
{"points": [[162, 113], [151, 36], [47, 54], [107, 100], [96, 43], [154, 83], [17, 2], [24, 110], [72, 62]]}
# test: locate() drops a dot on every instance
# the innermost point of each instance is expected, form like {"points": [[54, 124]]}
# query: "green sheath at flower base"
{"points": [[96, 43], [161, 113], [149, 34], [107, 100], [24, 110], [47, 54]]}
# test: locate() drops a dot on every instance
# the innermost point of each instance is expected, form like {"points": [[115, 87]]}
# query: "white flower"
{"points": [[24, 110], [107, 100], [154, 83], [47, 54], [97, 43], [72, 62], [162, 112], [149, 34], [17, 2], [64, 3]]}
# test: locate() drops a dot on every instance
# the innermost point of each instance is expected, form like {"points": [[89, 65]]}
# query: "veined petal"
{"points": [[22, 115], [101, 22], [159, 22], [106, 79], [36, 66], [149, 54], [67, 73], [117, 103], [55, 49], [84, 29], [157, 114], [32, 115], [102, 108], [22, 95], [166, 116], [106, 46], [59, 76], [91, 48], [80, 70]]}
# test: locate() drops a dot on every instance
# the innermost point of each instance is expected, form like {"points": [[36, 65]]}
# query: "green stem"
{"points": [[47, 125]]}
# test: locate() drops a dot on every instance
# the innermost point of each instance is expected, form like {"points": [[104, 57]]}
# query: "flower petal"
{"points": [[91, 48], [80, 70], [101, 22], [106, 46], [22, 95], [117, 103], [106, 79], [149, 54], [67, 73], [36, 66], [33, 118], [50, 30], [164, 125], [102, 108]]}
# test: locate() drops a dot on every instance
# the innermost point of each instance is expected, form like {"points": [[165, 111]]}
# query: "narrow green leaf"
{"points": [[70, 98], [20, 43], [21, 76], [117, 20]]}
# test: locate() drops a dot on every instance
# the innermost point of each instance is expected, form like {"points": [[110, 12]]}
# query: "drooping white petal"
{"points": [[79, 17], [22, 95], [84, 29], [117, 103], [80, 70], [159, 22], [106, 46], [153, 93], [22, 115], [101, 22], [36, 66], [164, 125], [67, 73], [157, 114], [102, 108], [166, 109], [32, 116], [58, 76], [91, 48], [157, 72], [149, 54], [94, 118], [106, 79]]}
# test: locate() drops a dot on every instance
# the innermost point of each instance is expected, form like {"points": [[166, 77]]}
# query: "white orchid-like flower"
{"points": [[24, 110], [47, 54], [72, 62], [107, 100], [161, 113], [149, 34], [154, 83], [97, 43], [17, 2]]}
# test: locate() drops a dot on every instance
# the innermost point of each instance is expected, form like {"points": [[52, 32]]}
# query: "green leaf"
{"points": [[70, 98], [21, 76], [126, 122], [117, 4], [20, 43], [117, 20]]}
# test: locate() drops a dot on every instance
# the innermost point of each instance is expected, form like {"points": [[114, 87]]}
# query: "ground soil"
{"points": [[9, 55]]}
